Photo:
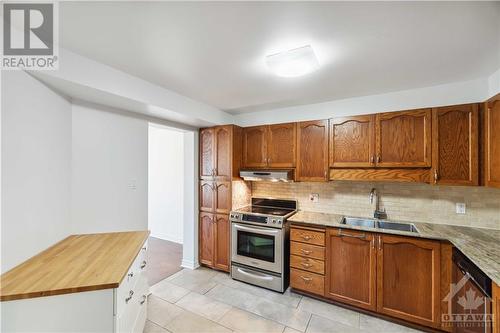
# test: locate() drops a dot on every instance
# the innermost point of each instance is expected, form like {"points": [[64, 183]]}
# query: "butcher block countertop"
{"points": [[75, 264]]}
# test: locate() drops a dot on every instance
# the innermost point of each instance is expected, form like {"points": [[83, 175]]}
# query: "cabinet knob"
{"points": [[131, 274], [306, 265], [305, 251], [306, 237]]}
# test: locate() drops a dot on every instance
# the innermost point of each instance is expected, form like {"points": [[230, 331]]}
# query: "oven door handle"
{"points": [[255, 275], [264, 231]]}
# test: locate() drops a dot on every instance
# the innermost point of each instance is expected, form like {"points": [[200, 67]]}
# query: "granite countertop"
{"points": [[481, 246]]}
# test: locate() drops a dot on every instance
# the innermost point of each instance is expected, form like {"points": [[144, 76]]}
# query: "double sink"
{"points": [[379, 224]]}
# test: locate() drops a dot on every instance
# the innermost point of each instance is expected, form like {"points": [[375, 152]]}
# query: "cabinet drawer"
{"points": [[307, 236], [306, 250], [307, 264], [306, 281]]}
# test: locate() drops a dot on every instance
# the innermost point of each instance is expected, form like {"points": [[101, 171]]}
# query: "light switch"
{"points": [[460, 208]]}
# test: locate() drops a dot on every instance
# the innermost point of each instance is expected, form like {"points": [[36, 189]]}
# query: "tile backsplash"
{"points": [[406, 202]]}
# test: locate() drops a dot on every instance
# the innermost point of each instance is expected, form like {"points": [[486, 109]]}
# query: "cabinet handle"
{"points": [[373, 243], [144, 297], [372, 159], [436, 176], [215, 172], [306, 237], [326, 173], [144, 248], [306, 279], [130, 294], [378, 159], [131, 274], [305, 251], [379, 243], [340, 234], [305, 264], [143, 264]]}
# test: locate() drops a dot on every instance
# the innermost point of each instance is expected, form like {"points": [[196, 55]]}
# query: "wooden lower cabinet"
{"points": [[207, 239], [214, 241], [408, 279], [496, 307], [222, 252], [396, 276], [307, 281], [351, 267]]}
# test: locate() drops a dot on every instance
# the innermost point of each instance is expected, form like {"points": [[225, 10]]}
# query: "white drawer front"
{"points": [[133, 315], [127, 292]]}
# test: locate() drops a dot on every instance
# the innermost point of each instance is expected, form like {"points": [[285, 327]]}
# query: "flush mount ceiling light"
{"points": [[292, 63]]}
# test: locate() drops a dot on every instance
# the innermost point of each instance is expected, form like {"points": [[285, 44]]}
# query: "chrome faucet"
{"points": [[377, 213]]}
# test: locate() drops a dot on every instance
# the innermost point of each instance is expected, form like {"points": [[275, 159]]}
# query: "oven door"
{"points": [[258, 247]]}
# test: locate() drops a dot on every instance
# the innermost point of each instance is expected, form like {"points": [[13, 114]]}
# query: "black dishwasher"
{"points": [[470, 297]]}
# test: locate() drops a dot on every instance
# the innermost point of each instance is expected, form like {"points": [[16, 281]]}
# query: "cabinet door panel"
{"points": [[352, 142], [207, 239], [312, 151], [207, 151], [408, 279], [223, 197], [281, 141], [254, 146], [455, 145], [207, 196], [492, 146], [222, 242], [404, 139], [351, 267], [223, 158]]}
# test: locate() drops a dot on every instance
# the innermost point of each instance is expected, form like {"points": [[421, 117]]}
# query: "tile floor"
{"points": [[204, 300]]}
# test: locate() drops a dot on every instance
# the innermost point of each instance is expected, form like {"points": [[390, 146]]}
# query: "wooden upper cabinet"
{"points": [[492, 143], [254, 147], [223, 156], [222, 251], [207, 151], [281, 143], [352, 141], [455, 145], [351, 267], [312, 151], [408, 279], [403, 139], [207, 239]]}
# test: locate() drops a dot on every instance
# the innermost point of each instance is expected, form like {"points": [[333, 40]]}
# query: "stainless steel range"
{"points": [[260, 244]]}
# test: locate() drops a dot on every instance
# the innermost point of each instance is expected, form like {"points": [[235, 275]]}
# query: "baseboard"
{"points": [[189, 264]]}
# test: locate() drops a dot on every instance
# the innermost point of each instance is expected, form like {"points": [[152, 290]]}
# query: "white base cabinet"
{"points": [[120, 310]]}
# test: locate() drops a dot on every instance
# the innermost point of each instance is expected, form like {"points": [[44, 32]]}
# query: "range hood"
{"points": [[267, 175]]}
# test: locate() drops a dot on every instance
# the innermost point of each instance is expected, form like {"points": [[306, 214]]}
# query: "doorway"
{"points": [[170, 202]]}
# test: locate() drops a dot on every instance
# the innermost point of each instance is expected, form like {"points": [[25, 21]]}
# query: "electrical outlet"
{"points": [[314, 197], [460, 207]]}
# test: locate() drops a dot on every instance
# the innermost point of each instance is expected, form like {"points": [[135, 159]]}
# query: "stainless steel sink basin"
{"points": [[359, 222], [378, 224], [410, 227]]}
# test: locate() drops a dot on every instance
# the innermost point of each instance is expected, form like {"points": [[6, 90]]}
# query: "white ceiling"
{"points": [[214, 52]]}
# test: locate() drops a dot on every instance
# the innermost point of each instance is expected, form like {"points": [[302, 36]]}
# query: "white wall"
{"points": [[166, 183], [36, 167], [109, 170], [446, 94]]}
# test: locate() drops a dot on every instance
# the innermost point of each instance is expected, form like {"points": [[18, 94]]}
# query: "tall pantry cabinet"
{"points": [[220, 159]]}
